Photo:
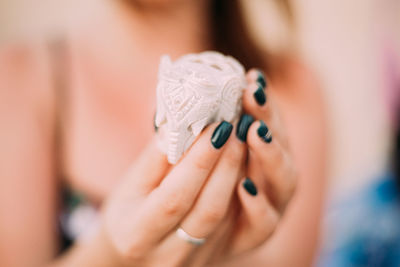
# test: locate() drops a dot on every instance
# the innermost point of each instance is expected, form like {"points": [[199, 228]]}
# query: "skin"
{"points": [[100, 82]]}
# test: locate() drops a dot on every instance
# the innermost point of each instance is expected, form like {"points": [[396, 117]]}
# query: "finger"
{"points": [[255, 95], [213, 202], [267, 111], [196, 255], [258, 220], [171, 200], [216, 245], [275, 163], [215, 198], [149, 169], [255, 100], [257, 75]]}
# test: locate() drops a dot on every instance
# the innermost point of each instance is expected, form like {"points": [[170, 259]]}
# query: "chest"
{"points": [[108, 119]]}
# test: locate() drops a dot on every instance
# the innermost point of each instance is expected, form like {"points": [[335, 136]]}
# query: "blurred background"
{"points": [[355, 30], [347, 43]]}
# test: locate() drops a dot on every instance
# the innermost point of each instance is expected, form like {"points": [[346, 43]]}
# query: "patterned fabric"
{"points": [[78, 220], [364, 230]]}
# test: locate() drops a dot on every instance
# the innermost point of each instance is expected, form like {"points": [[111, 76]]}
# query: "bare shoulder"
{"points": [[27, 183], [25, 78]]}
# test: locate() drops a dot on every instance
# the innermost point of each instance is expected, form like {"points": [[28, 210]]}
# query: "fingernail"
{"points": [[259, 96], [250, 187], [264, 132], [261, 79], [221, 134], [154, 122], [243, 127]]}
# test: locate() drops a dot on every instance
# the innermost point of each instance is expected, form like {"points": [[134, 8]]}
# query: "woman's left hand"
{"points": [[270, 175], [270, 162], [269, 166]]}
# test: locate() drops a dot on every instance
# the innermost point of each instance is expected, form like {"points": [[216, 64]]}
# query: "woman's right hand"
{"points": [[154, 199]]}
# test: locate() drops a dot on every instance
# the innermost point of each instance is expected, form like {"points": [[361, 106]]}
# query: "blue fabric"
{"points": [[364, 230]]}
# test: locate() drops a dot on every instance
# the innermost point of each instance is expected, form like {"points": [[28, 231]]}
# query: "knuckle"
{"points": [[173, 205], [204, 161], [235, 153], [212, 214], [202, 164], [233, 159]]}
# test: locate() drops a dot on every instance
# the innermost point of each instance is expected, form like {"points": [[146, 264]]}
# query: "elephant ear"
{"points": [[231, 99]]}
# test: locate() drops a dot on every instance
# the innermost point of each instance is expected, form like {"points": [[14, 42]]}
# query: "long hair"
{"points": [[232, 36]]}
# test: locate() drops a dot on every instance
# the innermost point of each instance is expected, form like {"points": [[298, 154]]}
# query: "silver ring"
{"points": [[188, 238]]}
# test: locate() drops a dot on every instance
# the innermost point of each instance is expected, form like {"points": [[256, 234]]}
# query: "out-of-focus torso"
{"points": [[110, 100]]}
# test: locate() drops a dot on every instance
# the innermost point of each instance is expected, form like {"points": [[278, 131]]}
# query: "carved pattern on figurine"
{"points": [[192, 92]]}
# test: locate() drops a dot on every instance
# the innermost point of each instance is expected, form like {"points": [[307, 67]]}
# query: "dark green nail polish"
{"points": [[261, 79], [259, 96], [243, 127], [250, 187], [221, 134], [264, 133]]}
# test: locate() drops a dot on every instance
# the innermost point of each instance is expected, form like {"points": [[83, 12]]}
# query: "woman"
{"points": [[88, 118]]}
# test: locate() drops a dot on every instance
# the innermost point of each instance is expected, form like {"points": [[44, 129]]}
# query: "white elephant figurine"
{"points": [[192, 92]]}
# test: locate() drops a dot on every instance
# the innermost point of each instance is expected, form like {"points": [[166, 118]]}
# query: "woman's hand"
{"points": [[154, 199], [270, 161], [271, 175], [198, 195], [269, 165]]}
